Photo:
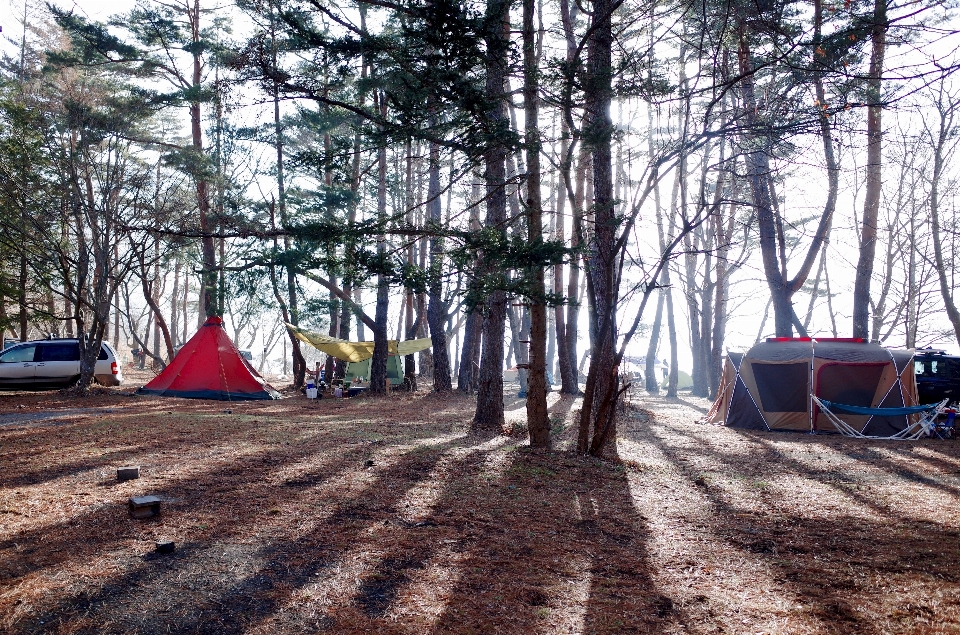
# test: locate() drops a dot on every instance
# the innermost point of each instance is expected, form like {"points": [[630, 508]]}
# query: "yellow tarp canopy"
{"points": [[356, 351]]}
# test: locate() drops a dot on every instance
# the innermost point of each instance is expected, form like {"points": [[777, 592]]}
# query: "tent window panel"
{"points": [[849, 384], [782, 387]]}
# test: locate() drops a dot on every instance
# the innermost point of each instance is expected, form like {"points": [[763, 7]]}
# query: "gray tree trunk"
{"points": [[489, 412], [871, 204]]}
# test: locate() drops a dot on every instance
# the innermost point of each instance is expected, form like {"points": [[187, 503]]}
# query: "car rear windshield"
{"points": [[931, 368], [60, 352]]}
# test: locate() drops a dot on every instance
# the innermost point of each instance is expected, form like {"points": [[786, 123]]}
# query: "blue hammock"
{"points": [[878, 412]]}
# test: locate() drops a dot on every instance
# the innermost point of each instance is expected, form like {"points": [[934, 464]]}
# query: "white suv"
{"points": [[52, 363]]}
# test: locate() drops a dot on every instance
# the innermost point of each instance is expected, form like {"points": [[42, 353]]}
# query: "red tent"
{"points": [[209, 366]]}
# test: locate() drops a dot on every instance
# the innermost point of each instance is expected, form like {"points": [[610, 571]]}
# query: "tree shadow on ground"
{"points": [[847, 569], [570, 559], [229, 580], [457, 534], [107, 527]]}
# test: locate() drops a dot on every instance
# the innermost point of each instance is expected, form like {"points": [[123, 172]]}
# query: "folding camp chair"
{"points": [[945, 429], [925, 425]]}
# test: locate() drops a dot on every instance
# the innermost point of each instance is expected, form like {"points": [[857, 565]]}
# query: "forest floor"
{"points": [[387, 516]]}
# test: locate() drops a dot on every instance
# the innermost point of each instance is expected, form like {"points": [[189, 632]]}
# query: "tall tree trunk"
{"points": [[565, 367], [151, 292], [569, 373], [23, 299], [409, 361], [912, 291], [186, 298], [489, 412], [520, 350], [673, 376], [116, 318], [437, 308], [175, 303], [275, 283], [358, 300], [378, 364], [598, 416], [651, 381], [299, 363], [333, 301], [423, 248], [758, 175], [871, 204], [944, 134], [156, 289], [208, 298], [467, 377], [724, 236]]}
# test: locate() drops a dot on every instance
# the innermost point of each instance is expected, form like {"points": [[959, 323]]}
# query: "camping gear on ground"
{"points": [[947, 428], [358, 354], [772, 386], [923, 426], [311, 389], [209, 366]]}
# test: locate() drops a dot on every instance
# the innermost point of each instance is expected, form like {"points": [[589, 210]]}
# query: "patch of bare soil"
{"points": [[386, 515]]}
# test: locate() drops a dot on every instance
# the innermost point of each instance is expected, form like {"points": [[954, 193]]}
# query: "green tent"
{"points": [[362, 369], [358, 354], [684, 381]]}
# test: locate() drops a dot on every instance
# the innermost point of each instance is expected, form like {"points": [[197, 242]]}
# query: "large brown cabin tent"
{"points": [[769, 387]]}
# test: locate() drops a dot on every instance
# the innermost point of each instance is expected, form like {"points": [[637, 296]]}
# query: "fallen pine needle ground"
{"points": [[388, 516]]}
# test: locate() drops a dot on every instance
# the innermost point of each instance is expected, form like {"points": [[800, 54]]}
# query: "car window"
{"points": [[59, 352], [19, 354], [953, 365], [931, 368], [103, 352]]}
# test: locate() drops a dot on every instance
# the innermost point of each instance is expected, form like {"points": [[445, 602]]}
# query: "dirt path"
{"points": [[387, 516]]}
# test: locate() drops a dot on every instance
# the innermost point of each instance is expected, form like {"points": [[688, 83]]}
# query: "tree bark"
{"points": [[299, 363], [208, 300], [160, 326], [378, 364], [409, 361], [175, 303], [468, 377], [944, 135], [871, 204], [489, 412], [724, 236], [757, 162], [437, 308], [599, 404], [567, 340]]}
